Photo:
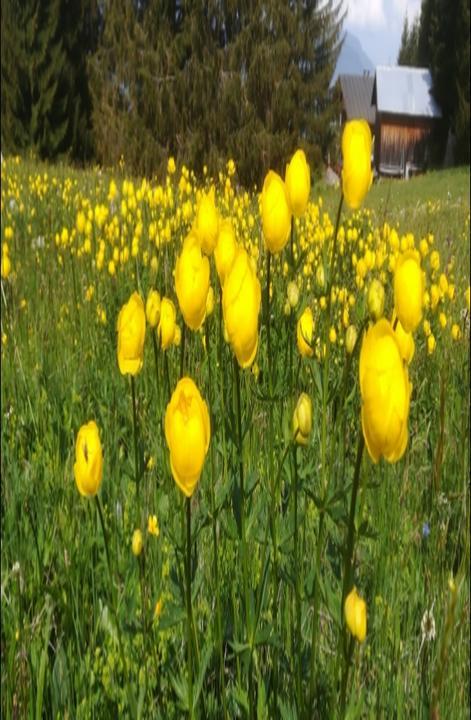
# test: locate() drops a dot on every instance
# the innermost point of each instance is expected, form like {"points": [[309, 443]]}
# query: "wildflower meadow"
{"points": [[235, 443]]}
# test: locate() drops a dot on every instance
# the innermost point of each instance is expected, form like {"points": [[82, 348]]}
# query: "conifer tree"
{"points": [[45, 103]]}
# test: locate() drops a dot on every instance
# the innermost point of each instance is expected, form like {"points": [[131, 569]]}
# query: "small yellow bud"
{"points": [[376, 299], [137, 542], [431, 344], [350, 338], [302, 419], [355, 615]]}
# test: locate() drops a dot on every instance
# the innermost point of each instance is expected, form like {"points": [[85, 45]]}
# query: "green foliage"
{"points": [[408, 52], [439, 40], [207, 81], [59, 642], [45, 101]]}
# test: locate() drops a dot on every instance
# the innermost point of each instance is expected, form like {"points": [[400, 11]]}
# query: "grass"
{"points": [[59, 640]]}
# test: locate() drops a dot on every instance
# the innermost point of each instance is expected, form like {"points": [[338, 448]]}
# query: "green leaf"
{"points": [[238, 647], [206, 655], [171, 615], [43, 662], [241, 698], [262, 710], [180, 686]]}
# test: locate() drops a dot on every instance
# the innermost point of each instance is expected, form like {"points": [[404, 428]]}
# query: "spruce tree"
{"points": [[45, 103]]}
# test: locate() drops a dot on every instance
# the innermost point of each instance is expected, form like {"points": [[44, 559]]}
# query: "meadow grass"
{"points": [[59, 640]]}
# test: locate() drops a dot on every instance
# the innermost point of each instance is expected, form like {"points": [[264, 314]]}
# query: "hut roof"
{"points": [[357, 91], [405, 91]]}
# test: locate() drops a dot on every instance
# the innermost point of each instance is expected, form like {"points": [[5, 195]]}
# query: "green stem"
{"points": [[343, 692], [136, 450], [182, 350], [297, 644], [140, 560], [215, 534], [316, 600], [333, 257], [325, 473], [188, 606], [267, 310], [156, 360], [348, 571], [348, 566], [131, 699], [248, 624], [167, 376]]}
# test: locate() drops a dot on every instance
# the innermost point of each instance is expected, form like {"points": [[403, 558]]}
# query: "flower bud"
{"points": [[88, 467], [385, 392], [192, 282], [167, 323], [207, 222], [153, 308], [350, 338], [356, 171], [305, 332], [408, 290], [276, 214], [376, 299], [187, 432], [355, 615], [298, 183], [302, 419], [137, 542], [131, 334]]}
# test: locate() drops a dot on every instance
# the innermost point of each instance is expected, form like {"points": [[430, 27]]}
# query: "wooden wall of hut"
{"points": [[400, 141]]}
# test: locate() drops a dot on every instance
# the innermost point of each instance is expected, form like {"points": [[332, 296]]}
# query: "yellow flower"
{"points": [[455, 331], [88, 467], [276, 215], [408, 290], [171, 167], [167, 323], [376, 299], [137, 542], [404, 339], [302, 419], [187, 432], [241, 298], [131, 334], [225, 250], [192, 282], [6, 266], [207, 222], [435, 260], [356, 171], [298, 183], [332, 335], [158, 608], [350, 338], [431, 344], [153, 526], [442, 320], [153, 308], [385, 392], [304, 333], [355, 615]]}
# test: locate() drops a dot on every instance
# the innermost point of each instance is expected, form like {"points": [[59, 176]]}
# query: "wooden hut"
{"points": [[405, 116]]}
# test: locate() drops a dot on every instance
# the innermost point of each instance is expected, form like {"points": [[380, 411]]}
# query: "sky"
{"points": [[378, 26]]}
